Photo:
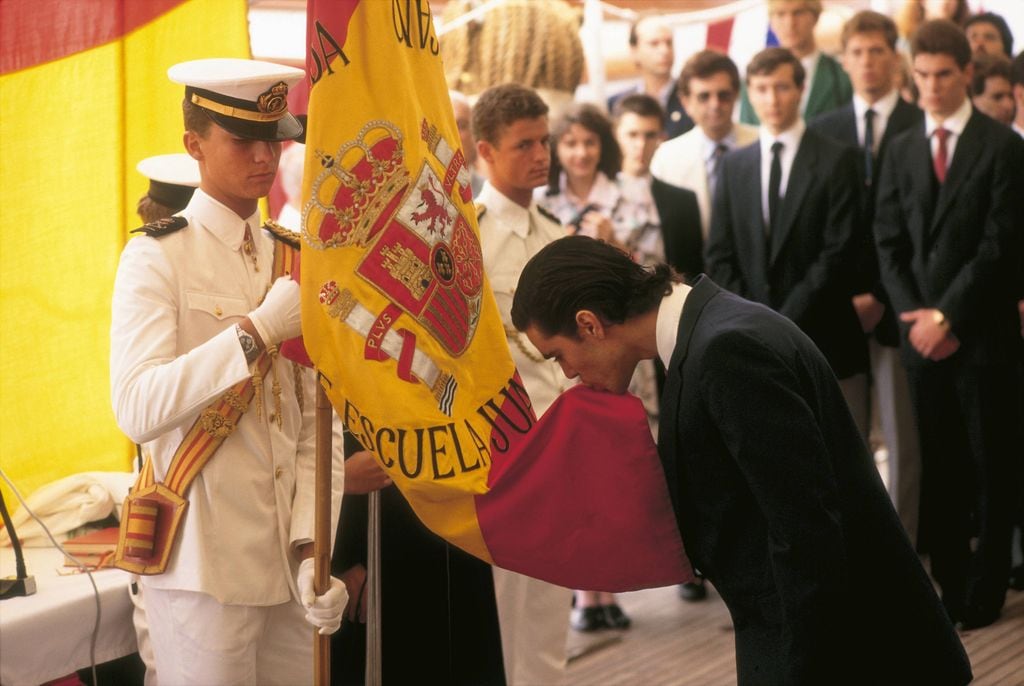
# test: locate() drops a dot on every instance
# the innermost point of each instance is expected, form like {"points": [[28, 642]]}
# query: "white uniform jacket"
{"points": [[510, 235], [174, 350]]}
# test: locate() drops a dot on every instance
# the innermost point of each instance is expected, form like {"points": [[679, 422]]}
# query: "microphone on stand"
{"points": [[20, 584]]}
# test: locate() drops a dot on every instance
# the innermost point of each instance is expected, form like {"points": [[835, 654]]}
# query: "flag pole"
{"points": [[373, 626], [322, 530]]}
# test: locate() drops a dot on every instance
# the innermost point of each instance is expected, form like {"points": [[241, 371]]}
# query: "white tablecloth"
{"points": [[46, 635]]}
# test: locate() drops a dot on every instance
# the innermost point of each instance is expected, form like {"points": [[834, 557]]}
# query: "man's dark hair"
{"points": [[987, 66], [580, 273], [593, 120], [1001, 26], [499, 107], [770, 59], [195, 117], [1017, 70], [867, 21], [942, 37], [640, 104], [704, 65]]}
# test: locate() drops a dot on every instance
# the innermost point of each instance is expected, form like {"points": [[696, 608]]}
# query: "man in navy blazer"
{"points": [[783, 224], [948, 224], [777, 499], [868, 123]]}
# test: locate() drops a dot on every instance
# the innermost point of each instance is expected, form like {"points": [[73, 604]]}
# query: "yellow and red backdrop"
{"points": [[83, 97]]}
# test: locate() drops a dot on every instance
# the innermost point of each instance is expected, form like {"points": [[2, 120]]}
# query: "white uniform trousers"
{"points": [[534, 620], [198, 641], [899, 429], [142, 632]]}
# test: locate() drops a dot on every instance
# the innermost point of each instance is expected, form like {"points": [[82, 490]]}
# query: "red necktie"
{"points": [[940, 159]]}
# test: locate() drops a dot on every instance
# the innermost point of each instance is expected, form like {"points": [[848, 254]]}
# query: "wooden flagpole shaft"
{"points": [[374, 666], [322, 530]]}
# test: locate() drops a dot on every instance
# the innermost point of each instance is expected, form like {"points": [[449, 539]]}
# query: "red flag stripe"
{"points": [[36, 31], [720, 35]]}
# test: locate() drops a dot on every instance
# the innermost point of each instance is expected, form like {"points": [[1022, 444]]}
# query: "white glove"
{"points": [[277, 317], [323, 611]]}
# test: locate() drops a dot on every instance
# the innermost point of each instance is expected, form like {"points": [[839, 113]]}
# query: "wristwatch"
{"points": [[248, 343]]}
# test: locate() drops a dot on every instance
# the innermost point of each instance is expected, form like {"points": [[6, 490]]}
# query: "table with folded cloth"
{"points": [[47, 635]]}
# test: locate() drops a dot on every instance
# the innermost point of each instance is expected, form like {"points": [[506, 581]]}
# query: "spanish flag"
{"points": [[399, 319]]}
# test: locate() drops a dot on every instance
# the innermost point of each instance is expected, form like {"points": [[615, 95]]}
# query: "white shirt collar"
{"points": [[666, 329], [790, 138], [708, 145], [1018, 128], [666, 93], [810, 63], [954, 124], [509, 213], [883, 107], [220, 220]]}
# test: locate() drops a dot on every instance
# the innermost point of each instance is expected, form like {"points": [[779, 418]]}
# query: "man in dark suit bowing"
{"points": [[876, 115], [947, 224], [776, 497], [782, 227]]}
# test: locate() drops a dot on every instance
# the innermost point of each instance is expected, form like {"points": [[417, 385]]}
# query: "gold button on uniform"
{"points": [[278, 472], [217, 311], [272, 418]]}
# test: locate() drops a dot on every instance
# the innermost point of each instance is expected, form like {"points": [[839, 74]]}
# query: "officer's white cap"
{"points": [[246, 97], [177, 168]]}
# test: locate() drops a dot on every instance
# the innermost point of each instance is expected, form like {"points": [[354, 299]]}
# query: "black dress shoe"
{"points": [[588, 619], [978, 617], [1017, 578], [615, 617], [692, 591]]}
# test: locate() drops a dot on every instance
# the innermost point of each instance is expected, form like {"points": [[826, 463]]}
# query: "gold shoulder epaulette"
{"points": [[547, 213], [162, 227], [481, 210], [282, 234]]}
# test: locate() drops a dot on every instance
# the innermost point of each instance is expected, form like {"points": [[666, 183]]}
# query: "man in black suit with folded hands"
{"points": [[949, 211], [875, 116], [783, 224]]}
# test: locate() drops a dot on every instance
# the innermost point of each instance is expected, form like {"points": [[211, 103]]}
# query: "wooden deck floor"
{"points": [[674, 643]]}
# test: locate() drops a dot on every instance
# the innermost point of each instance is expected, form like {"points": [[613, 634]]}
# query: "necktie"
{"points": [[940, 159], [716, 167], [774, 182], [869, 146]]}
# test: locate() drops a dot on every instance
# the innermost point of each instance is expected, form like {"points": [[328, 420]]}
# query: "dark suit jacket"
{"points": [[956, 247], [830, 89], [780, 505], [677, 121], [680, 227], [841, 124], [805, 270]]}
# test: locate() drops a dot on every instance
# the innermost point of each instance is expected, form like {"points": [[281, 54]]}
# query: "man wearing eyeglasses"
{"points": [[709, 85]]}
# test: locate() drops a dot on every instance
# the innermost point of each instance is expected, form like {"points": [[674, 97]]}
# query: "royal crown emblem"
{"points": [[274, 100], [418, 249]]}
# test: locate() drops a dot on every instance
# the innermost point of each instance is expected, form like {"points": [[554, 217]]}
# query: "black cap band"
{"points": [[170, 194]]}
